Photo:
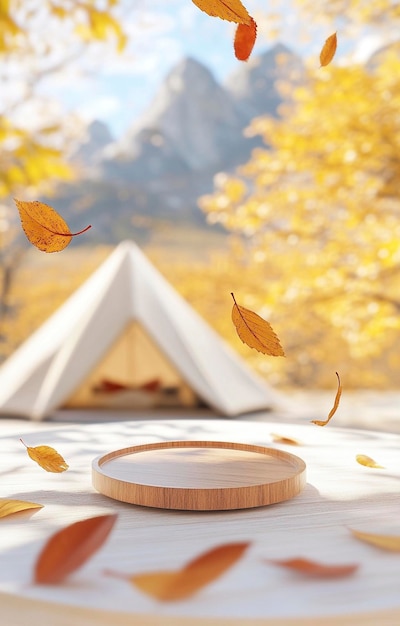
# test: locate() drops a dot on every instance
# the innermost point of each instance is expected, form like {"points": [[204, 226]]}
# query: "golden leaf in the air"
{"points": [[44, 227], [167, 586], [386, 542], [70, 547], [285, 440], [254, 331], [335, 405], [9, 507], [48, 458], [317, 570], [245, 38], [230, 10], [328, 50], [363, 459]]}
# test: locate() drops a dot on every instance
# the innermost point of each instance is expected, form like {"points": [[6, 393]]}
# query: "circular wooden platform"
{"points": [[199, 475]]}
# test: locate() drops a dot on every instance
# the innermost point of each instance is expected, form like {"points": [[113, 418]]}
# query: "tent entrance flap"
{"points": [[134, 373]]}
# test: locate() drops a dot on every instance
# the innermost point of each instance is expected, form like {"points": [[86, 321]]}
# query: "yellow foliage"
{"points": [[320, 223]]}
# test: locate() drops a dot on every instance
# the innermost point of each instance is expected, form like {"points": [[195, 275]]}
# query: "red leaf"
{"points": [[318, 570], [70, 547], [245, 38]]}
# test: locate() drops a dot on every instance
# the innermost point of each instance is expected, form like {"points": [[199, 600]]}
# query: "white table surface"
{"points": [[340, 494]]}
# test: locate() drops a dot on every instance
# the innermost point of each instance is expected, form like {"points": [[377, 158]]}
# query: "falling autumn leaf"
{"points": [[245, 38], [167, 586], [363, 459], [328, 50], [48, 458], [286, 440], [335, 405], [254, 331], [318, 570], [44, 227], [387, 542], [70, 547], [231, 10], [9, 507]]}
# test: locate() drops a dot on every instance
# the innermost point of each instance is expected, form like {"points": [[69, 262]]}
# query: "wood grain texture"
{"points": [[284, 477], [18, 611], [339, 495]]}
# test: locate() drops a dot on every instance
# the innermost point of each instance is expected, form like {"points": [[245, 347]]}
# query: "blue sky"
{"points": [[116, 88]]}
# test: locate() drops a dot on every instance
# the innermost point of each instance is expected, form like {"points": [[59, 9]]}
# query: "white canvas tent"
{"points": [[127, 338]]}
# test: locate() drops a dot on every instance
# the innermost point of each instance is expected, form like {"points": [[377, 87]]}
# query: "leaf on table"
{"points": [[9, 507], [328, 50], [230, 10], [254, 331], [386, 542], [286, 440], [245, 38], [70, 547], [167, 586], [363, 459], [48, 458], [44, 227], [334, 408], [318, 570]]}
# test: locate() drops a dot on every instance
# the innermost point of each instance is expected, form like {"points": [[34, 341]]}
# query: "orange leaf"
{"points": [[328, 50], [47, 458], [286, 440], [44, 227], [230, 10], [245, 38], [363, 459], [335, 405], [254, 331], [70, 547], [167, 586], [9, 507], [319, 570], [387, 542]]}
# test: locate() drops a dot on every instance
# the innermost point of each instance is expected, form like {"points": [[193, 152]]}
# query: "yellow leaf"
{"points": [[48, 458], [335, 406], [9, 507], [254, 331], [387, 542], [167, 586], [286, 440], [230, 10], [44, 227], [363, 459], [328, 50]]}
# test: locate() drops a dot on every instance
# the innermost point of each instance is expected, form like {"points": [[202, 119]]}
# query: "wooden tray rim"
{"points": [[204, 499]]}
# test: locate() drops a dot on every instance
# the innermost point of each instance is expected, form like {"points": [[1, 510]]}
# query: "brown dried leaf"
{"points": [[363, 459], [48, 458], [286, 440], [70, 547], [44, 227], [167, 586], [231, 10], [245, 38], [254, 331], [9, 507], [328, 50], [335, 405], [318, 570], [387, 542]]}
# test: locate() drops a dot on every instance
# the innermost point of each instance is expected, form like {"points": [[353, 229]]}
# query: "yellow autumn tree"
{"points": [[317, 213], [31, 46]]}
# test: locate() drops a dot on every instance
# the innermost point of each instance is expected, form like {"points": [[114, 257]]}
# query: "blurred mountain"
{"points": [[169, 157]]}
